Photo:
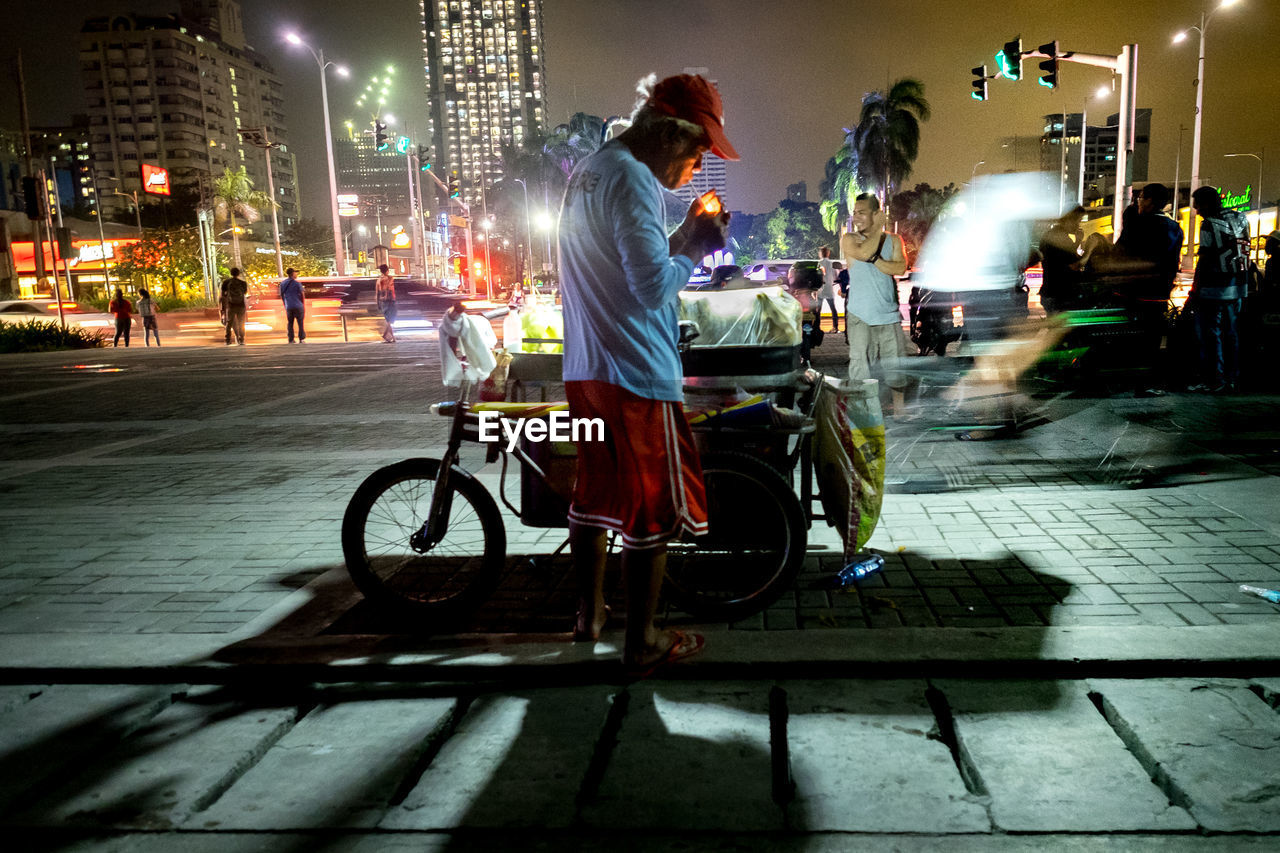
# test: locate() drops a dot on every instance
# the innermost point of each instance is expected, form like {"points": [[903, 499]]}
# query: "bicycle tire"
{"points": [[444, 584], [754, 547]]}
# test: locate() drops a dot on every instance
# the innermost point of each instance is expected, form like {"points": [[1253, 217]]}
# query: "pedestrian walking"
{"points": [[621, 273], [827, 293], [1218, 289], [386, 296], [873, 318], [295, 303], [123, 311], [147, 311], [235, 291]]}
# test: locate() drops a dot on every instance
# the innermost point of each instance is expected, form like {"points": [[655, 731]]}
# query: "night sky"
{"points": [[792, 73]]}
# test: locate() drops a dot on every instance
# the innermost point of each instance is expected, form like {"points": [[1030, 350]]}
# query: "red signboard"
{"points": [[155, 179], [87, 255]]}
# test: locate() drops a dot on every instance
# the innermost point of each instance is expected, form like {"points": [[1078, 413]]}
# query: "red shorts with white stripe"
{"points": [[644, 481]]}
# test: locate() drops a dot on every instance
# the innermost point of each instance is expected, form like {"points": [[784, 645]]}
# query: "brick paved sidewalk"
{"points": [[194, 491]]}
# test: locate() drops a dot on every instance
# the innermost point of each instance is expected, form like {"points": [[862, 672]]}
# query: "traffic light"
{"points": [[380, 142], [979, 92], [424, 158], [455, 189], [1049, 67], [1009, 58], [34, 196]]}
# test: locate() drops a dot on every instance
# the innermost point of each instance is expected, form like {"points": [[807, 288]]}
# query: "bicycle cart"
{"points": [[426, 538]]}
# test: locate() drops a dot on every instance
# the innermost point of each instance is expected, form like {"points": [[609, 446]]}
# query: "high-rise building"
{"points": [[486, 84], [1099, 151], [378, 178], [174, 91]]}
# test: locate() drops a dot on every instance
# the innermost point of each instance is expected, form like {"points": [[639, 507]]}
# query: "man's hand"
{"points": [[857, 246], [706, 233]]}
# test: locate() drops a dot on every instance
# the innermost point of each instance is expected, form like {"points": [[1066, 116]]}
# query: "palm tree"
{"points": [[233, 193], [887, 138], [839, 186], [569, 143]]}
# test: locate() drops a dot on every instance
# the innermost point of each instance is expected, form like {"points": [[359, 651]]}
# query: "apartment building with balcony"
{"points": [[173, 91]]}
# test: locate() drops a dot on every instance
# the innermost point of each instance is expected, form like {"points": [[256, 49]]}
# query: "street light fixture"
{"points": [[339, 259], [1258, 189], [1195, 137]]}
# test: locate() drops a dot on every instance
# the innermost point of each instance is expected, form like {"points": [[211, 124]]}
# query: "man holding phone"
{"points": [[621, 275], [873, 318]]}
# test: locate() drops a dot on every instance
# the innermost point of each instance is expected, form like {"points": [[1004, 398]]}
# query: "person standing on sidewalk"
{"points": [[873, 318], [295, 303], [827, 293], [621, 276], [234, 293], [386, 296], [147, 311], [1218, 289], [1153, 243], [123, 311]]}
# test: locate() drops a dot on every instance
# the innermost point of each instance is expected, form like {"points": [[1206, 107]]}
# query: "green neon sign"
{"points": [[1234, 202]]}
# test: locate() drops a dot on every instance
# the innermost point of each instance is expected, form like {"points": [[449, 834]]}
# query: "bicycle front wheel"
{"points": [[445, 581], [753, 549]]}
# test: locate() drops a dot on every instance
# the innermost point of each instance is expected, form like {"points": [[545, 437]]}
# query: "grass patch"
{"points": [[46, 336]]}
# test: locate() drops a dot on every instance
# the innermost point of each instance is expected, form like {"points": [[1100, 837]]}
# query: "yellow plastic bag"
{"points": [[849, 459]]}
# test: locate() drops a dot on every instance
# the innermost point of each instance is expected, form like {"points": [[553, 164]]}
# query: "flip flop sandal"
{"points": [[581, 636], [684, 647]]}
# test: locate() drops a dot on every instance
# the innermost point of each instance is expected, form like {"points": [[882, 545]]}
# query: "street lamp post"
{"points": [[528, 230], [339, 259], [1195, 136], [1258, 189], [102, 240]]}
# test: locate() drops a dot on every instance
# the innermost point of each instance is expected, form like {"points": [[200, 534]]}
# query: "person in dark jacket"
{"points": [[1218, 289], [235, 291]]}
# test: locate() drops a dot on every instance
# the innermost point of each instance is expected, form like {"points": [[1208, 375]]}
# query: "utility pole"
{"points": [[37, 238], [257, 137], [53, 247]]}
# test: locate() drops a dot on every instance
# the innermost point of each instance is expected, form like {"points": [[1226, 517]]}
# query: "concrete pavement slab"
{"points": [[689, 756], [864, 760], [61, 725], [513, 760], [1214, 746], [339, 767], [176, 764], [1050, 762]]}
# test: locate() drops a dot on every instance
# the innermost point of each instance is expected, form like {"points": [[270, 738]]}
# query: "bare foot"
{"points": [[587, 628], [671, 647]]}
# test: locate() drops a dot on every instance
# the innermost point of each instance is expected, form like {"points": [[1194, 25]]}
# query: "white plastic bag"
{"points": [[473, 336]]}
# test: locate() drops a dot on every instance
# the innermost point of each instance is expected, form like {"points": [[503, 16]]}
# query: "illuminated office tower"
{"points": [[486, 85]]}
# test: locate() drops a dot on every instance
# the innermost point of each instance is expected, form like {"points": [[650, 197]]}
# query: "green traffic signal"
{"points": [[979, 92], [1009, 59]]}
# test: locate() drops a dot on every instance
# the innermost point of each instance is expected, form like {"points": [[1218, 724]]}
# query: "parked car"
{"points": [[24, 310]]}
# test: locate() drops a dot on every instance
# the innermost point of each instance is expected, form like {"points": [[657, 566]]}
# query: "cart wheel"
{"points": [[444, 583], [754, 546]]}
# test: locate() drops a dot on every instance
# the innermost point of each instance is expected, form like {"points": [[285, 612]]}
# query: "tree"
{"points": [[233, 193], [839, 186], [886, 141], [791, 230], [311, 235], [568, 144], [263, 266], [172, 257], [914, 211]]}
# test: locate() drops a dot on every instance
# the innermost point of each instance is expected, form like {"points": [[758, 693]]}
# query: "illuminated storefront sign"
{"points": [[155, 179]]}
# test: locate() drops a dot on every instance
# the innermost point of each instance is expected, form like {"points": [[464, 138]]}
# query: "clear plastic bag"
{"points": [[763, 316]]}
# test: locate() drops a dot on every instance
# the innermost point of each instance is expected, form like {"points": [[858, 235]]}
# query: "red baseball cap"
{"points": [[694, 98]]}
